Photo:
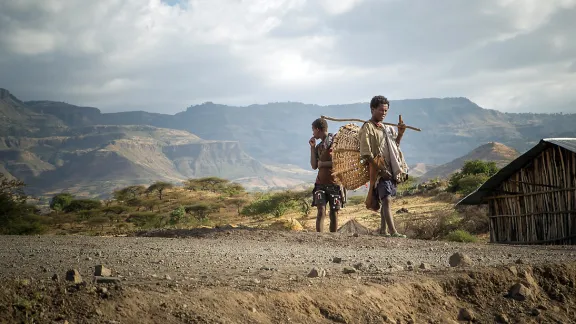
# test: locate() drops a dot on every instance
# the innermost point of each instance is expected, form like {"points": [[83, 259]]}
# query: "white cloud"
{"points": [[133, 53], [337, 7], [29, 41]]}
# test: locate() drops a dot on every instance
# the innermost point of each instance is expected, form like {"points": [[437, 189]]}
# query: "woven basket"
{"points": [[346, 165]]}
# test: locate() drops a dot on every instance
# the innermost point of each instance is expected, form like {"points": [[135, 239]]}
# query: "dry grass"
{"points": [[424, 217]]}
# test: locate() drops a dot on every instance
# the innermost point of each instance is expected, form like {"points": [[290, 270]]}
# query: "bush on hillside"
{"points": [[60, 201], [275, 204], [17, 217], [77, 205], [145, 220], [472, 175], [202, 210]]}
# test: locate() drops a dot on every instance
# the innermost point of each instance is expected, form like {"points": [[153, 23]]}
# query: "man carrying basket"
{"points": [[379, 147]]}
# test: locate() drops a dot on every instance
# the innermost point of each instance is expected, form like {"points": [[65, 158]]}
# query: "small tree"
{"points": [[131, 192], [238, 202], [61, 201], [159, 187], [16, 216], [201, 210], [83, 205], [304, 199]]}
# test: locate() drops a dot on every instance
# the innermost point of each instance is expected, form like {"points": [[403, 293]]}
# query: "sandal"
{"points": [[398, 235]]}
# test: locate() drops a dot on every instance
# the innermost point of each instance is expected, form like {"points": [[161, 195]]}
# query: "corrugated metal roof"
{"points": [[476, 197], [567, 143]]}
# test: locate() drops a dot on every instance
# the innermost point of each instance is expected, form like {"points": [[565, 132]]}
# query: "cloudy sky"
{"points": [[511, 55]]}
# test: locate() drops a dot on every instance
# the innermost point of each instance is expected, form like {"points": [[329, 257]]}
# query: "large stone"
{"points": [[317, 272], [519, 292], [460, 259], [102, 271], [348, 270], [465, 315], [74, 276], [425, 266]]}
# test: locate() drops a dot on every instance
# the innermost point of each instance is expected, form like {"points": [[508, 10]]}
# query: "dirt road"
{"points": [[253, 276]]}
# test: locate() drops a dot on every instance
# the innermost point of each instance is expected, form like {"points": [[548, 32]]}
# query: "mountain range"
{"points": [[51, 145]]}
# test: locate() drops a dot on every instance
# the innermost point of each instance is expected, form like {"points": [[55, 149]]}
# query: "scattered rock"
{"points": [[102, 271], [535, 312], [355, 234], [465, 315], [501, 318], [55, 277], [425, 266], [349, 270], [519, 261], [337, 260], [74, 276], [460, 259], [519, 292], [402, 210], [359, 266], [88, 259], [317, 272], [167, 277], [529, 280], [394, 268]]}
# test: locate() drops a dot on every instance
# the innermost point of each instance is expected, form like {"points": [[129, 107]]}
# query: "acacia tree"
{"points": [[201, 210], [159, 188], [238, 202], [131, 192]]}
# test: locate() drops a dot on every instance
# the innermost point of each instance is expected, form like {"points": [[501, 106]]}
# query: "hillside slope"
{"points": [[56, 147], [277, 133], [496, 152]]}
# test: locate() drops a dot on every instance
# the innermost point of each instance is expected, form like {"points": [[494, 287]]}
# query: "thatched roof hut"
{"points": [[532, 200]]}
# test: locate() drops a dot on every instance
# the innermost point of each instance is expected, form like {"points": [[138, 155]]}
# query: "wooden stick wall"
{"points": [[539, 206]]}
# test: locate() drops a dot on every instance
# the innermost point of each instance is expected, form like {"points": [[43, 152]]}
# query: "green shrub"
{"points": [[460, 236], [276, 204], [355, 200], [145, 220], [61, 201], [177, 215], [77, 205]]}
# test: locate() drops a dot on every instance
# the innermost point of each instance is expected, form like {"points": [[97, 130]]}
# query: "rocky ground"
{"points": [[257, 276]]}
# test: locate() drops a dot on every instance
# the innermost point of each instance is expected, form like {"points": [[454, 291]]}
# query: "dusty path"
{"points": [[233, 276]]}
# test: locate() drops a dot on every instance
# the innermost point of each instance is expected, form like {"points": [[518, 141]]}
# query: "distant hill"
{"points": [[419, 169], [496, 152], [276, 134], [91, 160]]}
